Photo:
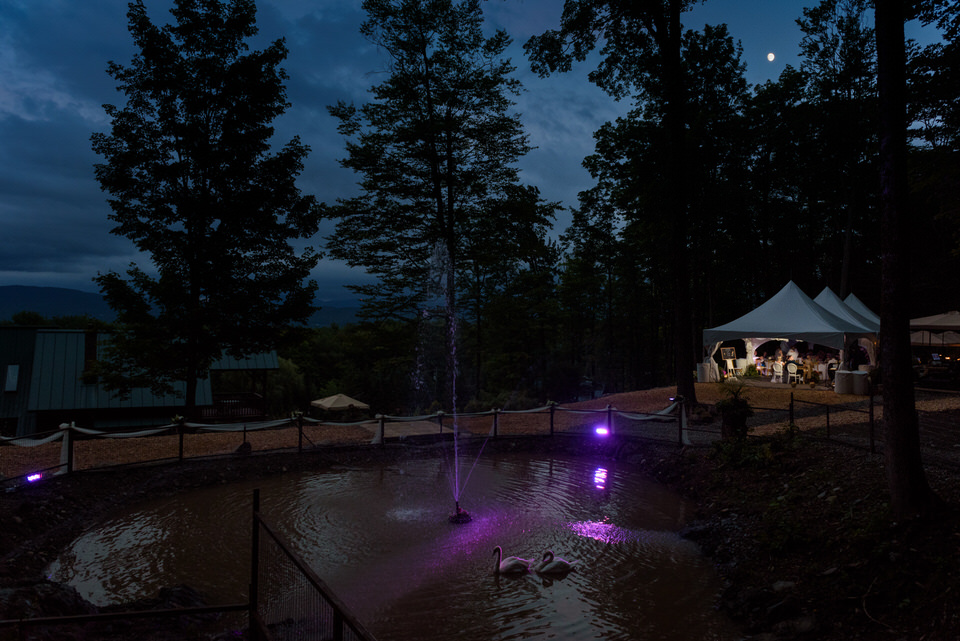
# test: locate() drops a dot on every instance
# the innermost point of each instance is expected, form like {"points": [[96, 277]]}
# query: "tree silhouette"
{"points": [[195, 187]]}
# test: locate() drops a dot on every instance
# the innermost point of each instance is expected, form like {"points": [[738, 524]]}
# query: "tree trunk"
{"points": [[675, 122], [910, 494]]}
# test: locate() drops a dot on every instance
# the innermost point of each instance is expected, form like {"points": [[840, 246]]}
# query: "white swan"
{"points": [[551, 565], [511, 564]]}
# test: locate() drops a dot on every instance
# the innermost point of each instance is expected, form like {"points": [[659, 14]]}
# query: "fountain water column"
{"points": [[443, 280]]}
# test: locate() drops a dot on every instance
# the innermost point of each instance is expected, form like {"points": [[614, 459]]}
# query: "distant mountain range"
{"points": [[59, 301]]}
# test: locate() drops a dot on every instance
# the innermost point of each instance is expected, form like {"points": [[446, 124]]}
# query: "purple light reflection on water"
{"points": [[600, 478], [34, 477], [390, 522], [602, 430], [602, 531]]}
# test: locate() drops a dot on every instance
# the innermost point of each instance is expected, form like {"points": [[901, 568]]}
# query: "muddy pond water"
{"points": [[379, 535]]}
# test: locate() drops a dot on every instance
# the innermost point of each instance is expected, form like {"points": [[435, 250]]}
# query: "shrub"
{"points": [[734, 411]]}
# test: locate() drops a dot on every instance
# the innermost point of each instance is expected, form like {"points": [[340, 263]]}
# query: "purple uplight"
{"points": [[34, 477], [602, 430]]}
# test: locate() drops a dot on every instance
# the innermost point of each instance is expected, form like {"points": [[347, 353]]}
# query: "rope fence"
{"points": [[74, 448]]}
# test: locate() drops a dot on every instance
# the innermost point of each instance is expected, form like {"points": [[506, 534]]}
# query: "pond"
{"points": [[379, 536]]}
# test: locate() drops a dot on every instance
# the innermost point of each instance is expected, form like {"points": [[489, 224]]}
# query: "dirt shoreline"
{"points": [[798, 528]]}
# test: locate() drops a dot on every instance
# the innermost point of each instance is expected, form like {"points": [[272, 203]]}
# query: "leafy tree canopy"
{"points": [[195, 186]]}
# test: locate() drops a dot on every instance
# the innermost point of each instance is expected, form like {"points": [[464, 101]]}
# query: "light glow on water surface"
{"points": [[379, 536], [600, 478]]}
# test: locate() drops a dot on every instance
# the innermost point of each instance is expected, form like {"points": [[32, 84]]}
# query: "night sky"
{"points": [[54, 229]]}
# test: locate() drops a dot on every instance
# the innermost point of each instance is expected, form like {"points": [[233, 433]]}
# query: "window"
{"points": [[10, 382]]}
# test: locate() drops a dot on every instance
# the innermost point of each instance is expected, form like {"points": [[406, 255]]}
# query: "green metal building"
{"points": [[41, 370]]}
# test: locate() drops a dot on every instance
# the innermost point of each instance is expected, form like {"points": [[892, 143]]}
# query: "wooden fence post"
{"points": [[299, 432], [496, 422], [610, 419], [67, 446], [383, 420], [680, 421], [553, 409], [440, 420]]}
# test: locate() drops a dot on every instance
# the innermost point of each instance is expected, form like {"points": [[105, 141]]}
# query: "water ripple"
{"points": [[380, 537]]}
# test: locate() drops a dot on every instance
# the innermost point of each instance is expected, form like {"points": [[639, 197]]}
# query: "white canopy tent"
{"points": [[934, 339], [857, 305], [828, 300], [937, 330], [790, 315], [945, 322]]}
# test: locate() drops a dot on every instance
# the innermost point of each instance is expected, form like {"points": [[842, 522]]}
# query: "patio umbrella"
{"points": [[339, 402]]}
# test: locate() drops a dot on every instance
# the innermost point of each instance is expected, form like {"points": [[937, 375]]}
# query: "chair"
{"points": [[777, 373], [794, 374]]}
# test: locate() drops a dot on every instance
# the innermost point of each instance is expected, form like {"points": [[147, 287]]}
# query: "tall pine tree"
{"points": [[194, 185], [436, 150], [640, 44]]}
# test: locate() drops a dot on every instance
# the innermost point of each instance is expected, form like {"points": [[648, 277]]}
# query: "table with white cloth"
{"points": [[848, 382], [708, 372], [843, 383], [861, 382], [824, 371]]}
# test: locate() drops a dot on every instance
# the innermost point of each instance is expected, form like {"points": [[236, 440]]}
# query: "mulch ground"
{"points": [[799, 528]]}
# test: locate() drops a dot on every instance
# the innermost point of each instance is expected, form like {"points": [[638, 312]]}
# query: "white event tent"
{"points": [[937, 330], [790, 315], [828, 300], [832, 303], [858, 306]]}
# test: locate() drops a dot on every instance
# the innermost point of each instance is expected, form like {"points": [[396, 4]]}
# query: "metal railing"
{"points": [[837, 409], [102, 625], [286, 600]]}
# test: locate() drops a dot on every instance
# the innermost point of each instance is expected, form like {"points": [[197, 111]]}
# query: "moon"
{"points": [[770, 56]]}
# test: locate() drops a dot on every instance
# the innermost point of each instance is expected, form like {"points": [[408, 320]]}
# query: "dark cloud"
{"points": [[53, 83]]}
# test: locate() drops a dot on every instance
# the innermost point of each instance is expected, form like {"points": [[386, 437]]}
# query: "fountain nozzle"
{"points": [[461, 516]]}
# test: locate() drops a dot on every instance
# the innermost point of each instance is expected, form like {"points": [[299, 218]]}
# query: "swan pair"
{"points": [[516, 565]]}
